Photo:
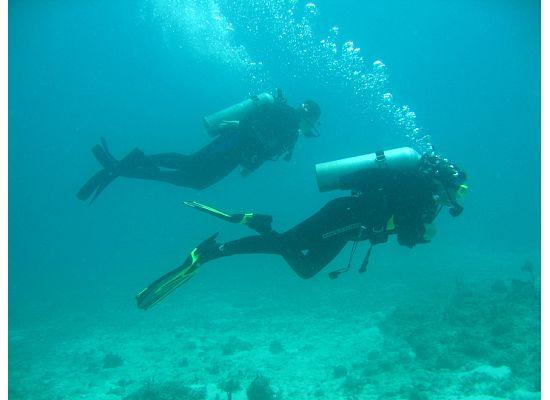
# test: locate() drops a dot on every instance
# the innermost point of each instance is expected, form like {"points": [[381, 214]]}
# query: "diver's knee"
{"points": [[183, 180], [305, 274]]}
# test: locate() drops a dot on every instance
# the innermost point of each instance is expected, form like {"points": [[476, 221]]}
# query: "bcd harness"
{"points": [[378, 234]]}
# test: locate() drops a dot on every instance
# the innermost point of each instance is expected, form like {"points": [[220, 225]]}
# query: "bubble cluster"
{"points": [[284, 35], [200, 27], [311, 8]]}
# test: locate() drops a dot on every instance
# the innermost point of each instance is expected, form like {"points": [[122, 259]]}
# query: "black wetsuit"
{"points": [[265, 134], [404, 199]]}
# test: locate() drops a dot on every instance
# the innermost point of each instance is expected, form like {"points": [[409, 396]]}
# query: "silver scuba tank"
{"points": [[235, 112], [329, 174]]}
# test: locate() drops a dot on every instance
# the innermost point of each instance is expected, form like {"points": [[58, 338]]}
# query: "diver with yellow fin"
{"points": [[394, 192], [258, 129]]}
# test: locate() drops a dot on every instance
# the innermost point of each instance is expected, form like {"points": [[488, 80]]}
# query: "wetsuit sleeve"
{"points": [[415, 208], [411, 227]]}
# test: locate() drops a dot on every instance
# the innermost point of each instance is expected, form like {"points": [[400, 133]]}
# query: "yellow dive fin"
{"points": [[169, 282], [259, 222]]}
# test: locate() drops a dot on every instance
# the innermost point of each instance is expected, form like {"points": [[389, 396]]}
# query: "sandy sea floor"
{"points": [[382, 340]]}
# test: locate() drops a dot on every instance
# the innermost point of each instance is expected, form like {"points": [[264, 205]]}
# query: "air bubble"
{"points": [[275, 23], [311, 8], [348, 46], [378, 64]]}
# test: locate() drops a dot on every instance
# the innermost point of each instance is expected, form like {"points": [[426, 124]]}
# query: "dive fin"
{"points": [[258, 222], [106, 149], [109, 178], [103, 158], [167, 283], [103, 155], [212, 211], [92, 185]]}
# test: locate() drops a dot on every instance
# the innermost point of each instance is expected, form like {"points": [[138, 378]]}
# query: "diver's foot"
{"points": [[135, 159], [260, 223], [132, 162], [208, 250]]}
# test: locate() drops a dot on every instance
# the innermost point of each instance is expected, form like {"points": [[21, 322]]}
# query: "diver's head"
{"points": [[310, 112], [449, 181]]}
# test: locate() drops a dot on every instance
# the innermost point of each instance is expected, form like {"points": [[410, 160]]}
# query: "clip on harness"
{"points": [[336, 273]]}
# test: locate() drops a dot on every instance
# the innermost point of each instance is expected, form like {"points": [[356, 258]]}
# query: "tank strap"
{"points": [[381, 159]]}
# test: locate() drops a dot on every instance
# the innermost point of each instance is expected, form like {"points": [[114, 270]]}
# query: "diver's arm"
{"points": [[418, 226]]}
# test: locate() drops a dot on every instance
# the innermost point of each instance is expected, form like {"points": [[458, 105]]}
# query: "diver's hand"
{"points": [[229, 124]]}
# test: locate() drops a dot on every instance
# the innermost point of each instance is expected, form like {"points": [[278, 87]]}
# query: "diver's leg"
{"points": [[307, 264], [303, 247], [271, 243], [306, 261], [307, 234], [194, 177], [170, 160], [198, 170]]}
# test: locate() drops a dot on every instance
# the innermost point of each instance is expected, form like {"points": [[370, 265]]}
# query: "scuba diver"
{"points": [[395, 192], [249, 133]]}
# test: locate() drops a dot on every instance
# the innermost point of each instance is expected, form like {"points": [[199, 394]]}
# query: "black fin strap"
{"points": [[365, 262]]}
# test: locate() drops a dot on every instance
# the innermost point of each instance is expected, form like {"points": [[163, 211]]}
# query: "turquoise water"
{"points": [[458, 318]]}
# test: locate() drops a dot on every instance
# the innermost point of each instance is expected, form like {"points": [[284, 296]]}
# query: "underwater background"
{"points": [[458, 318]]}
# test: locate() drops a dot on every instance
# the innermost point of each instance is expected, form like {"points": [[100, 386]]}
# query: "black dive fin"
{"points": [[108, 178], [106, 149], [103, 158], [92, 184], [103, 155]]}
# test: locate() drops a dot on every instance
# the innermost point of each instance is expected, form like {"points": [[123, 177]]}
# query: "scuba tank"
{"points": [[330, 174], [236, 112]]}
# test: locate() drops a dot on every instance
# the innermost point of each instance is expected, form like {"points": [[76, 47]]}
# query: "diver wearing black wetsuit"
{"points": [[266, 133], [384, 202], [403, 205]]}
